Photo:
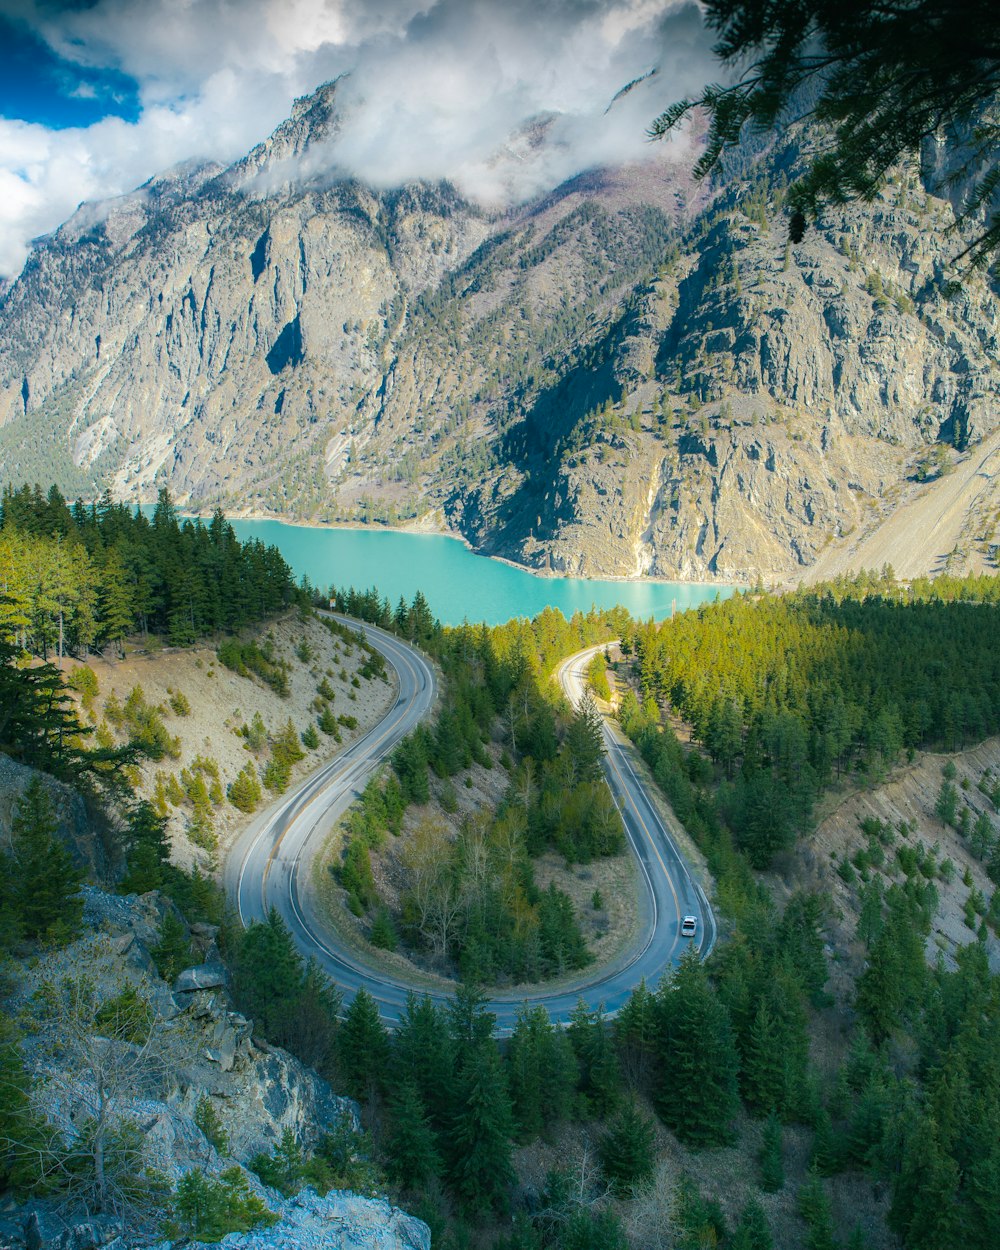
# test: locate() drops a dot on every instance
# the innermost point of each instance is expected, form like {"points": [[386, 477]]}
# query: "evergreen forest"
{"points": [[472, 902], [78, 577], [786, 698]]}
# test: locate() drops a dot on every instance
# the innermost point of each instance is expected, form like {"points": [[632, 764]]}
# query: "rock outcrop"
{"points": [[340, 1221], [193, 1052]]}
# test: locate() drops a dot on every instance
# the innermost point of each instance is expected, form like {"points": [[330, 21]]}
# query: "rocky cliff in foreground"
{"points": [[200, 1059], [631, 376]]}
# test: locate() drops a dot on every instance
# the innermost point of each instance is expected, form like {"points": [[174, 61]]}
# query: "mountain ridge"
{"points": [[633, 375]]}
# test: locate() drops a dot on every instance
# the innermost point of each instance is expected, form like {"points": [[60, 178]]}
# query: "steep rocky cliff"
{"points": [[631, 376], [195, 1052]]}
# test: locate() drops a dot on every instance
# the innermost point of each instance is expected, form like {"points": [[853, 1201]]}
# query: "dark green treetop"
{"points": [[882, 79]]}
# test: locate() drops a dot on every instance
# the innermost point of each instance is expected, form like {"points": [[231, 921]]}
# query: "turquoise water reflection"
{"points": [[458, 584]]}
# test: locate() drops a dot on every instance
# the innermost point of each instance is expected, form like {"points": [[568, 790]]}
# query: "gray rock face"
{"points": [[199, 1049], [602, 383], [342, 1220], [44, 1230], [339, 1221]]}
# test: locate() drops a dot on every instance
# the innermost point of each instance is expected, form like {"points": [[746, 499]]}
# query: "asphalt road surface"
{"points": [[270, 864]]}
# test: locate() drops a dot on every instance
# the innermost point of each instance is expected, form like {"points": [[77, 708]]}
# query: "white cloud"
{"points": [[437, 88]]}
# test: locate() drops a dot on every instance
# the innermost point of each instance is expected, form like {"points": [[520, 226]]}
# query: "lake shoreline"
{"points": [[418, 530]]}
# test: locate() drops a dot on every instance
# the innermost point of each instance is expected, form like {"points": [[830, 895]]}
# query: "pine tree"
{"points": [[635, 1036], [827, 1154], [172, 953], [600, 1074], [423, 1055], [147, 849], [541, 1070], [752, 1232], [244, 791], [763, 1074], [924, 1208], [772, 1164], [627, 1151], [946, 806], [46, 890], [696, 1094], [413, 1157], [469, 1024], [362, 1048], [313, 1024], [480, 1168], [585, 740], [267, 977], [814, 1207], [383, 934], [115, 600]]}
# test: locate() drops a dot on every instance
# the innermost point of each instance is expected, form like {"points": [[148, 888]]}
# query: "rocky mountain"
{"points": [[631, 376]]}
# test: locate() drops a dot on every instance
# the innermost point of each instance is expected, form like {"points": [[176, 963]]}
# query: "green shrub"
{"points": [[207, 1119], [206, 1208], [179, 703], [356, 874], [383, 934], [285, 1168], [448, 797], [597, 677], [143, 723], [127, 1017], [245, 658], [173, 791], [84, 681], [255, 733], [172, 953], [275, 776], [201, 830]]}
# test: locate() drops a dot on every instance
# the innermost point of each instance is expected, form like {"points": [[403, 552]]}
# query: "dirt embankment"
{"points": [[203, 706]]}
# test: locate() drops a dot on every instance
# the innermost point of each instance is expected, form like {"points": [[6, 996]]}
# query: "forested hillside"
{"points": [[466, 899], [788, 693], [787, 698]]}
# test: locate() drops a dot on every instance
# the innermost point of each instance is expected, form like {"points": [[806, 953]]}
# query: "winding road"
{"points": [[269, 864]]}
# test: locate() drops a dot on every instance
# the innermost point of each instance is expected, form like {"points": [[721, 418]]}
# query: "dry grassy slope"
{"points": [[221, 701], [909, 794]]}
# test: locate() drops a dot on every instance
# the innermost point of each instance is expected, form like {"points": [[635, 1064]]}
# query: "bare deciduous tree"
{"points": [[99, 1054]]}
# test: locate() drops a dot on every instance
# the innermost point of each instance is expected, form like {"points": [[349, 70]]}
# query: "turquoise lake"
{"points": [[457, 584]]}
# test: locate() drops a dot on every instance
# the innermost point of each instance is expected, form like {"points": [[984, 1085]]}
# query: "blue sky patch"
{"points": [[36, 85]]}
